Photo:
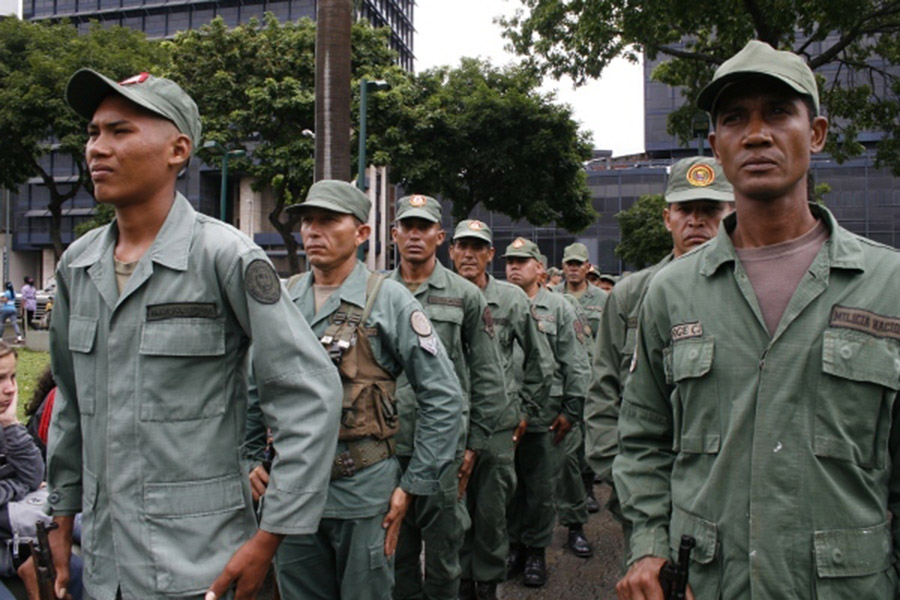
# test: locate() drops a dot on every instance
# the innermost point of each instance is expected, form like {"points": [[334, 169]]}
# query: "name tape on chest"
{"points": [[181, 310], [865, 321], [687, 330], [442, 301]]}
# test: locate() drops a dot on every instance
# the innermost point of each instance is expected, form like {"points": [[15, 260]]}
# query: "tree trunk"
{"points": [[57, 199], [333, 23]]}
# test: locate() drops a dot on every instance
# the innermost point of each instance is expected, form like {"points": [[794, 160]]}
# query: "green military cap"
{"points": [[522, 248], [610, 278], [553, 271], [595, 272], [337, 196], [473, 228], [576, 251], [698, 178], [543, 260], [759, 58], [87, 89], [419, 206]]}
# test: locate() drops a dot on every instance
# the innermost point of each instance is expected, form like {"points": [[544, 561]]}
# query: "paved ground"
{"points": [[571, 578]]}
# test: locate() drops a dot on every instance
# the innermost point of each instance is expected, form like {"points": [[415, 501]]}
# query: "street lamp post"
{"points": [[226, 155], [365, 86]]}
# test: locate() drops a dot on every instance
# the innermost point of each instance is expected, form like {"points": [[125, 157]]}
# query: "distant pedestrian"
{"points": [[29, 300], [8, 311]]}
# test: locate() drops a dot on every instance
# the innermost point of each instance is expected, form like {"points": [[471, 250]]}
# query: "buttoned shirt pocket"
{"points": [[854, 402], [854, 563], [82, 336], [695, 401], [705, 568], [194, 527], [447, 322], [186, 349]]}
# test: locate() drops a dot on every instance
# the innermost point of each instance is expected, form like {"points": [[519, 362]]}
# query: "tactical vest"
{"points": [[368, 407]]}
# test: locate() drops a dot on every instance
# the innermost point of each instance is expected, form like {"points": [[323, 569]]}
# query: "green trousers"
{"points": [[532, 512], [491, 486], [343, 560], [571, 497], [437, 523]]}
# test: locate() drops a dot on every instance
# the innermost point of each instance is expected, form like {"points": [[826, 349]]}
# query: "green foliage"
{"points": [[477, 134], [103, 214], [254, 86], [645, 239], [858, 38], [29, 368], [36, 61]]}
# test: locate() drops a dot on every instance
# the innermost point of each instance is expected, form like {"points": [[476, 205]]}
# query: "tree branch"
{"points": [[707, 58], [763, 31], [854, 34]]}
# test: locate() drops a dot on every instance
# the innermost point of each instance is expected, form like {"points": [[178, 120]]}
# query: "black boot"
{"points": [[578, 543], [466, 589], [515, 560], [592, 504], [485, 590], [535, 568]]}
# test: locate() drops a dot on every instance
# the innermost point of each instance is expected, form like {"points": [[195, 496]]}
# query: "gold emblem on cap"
{"points": [[518, 242], [417, 201], [701, 175], [476, 225]]}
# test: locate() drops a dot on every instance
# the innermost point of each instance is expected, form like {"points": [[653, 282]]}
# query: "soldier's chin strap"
{"points": [[341, 331]]}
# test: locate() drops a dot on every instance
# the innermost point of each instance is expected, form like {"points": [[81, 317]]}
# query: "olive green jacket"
{"points": [[464, 323], [568, 360], [591, 301], [778, 454], [152, 400], [613, 352], [397, 349], [515, 326]]}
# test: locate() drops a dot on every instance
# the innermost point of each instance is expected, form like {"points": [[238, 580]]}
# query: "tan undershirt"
{"points": [[323, 293], [124, 270], [775, 271]]}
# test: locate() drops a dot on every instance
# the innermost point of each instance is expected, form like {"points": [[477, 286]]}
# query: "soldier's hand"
{"points": [[400, 501], [247, 568], [61, 548], [561, 426], [465, 471], [642, 581], [259, 479], [519, 431]]}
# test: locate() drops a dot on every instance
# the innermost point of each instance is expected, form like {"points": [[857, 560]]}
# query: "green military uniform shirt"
{"points": [[568, 360], [398, 349], [591, 300], [778, 454], [152, 402], [613, 352], [515, 326], [465, 325]]}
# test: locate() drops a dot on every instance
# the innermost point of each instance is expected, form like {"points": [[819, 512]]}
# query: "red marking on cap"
{"points": [[139, 78]]}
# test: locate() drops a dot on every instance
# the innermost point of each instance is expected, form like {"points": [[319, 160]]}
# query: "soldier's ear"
{"points": [[181, 148]]}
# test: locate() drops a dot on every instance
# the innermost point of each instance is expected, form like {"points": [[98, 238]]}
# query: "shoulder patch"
{"points": [[420, 324], [443, 301], [687, 330], [488, 317], [579, 329], [262, 282]]}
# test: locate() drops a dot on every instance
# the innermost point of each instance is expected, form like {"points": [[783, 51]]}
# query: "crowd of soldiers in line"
{"points": [[741, 391]]}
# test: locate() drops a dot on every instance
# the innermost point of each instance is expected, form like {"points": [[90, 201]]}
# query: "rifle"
{"points": [[673, 577], [43, 561]]}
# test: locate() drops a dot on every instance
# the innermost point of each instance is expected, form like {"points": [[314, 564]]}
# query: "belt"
{"points": [[361, 454]]}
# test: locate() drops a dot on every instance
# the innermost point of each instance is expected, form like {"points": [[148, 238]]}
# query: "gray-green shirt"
{"points": [[515, 326], [151, 405], [778, 453], [464, 323], [397, 348]]}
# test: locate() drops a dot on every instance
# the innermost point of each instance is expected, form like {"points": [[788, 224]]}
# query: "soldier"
{"points": [[576, 266], [151, 323], [374, 330], [494, 477], [540, 454], [761, 414], [593, 277], [465, 325], [698, 196], [605, 281], [555, 275]]}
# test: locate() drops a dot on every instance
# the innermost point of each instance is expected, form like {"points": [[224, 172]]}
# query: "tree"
{"points": [[254, 85], [477, 134], [36, 61], [856, 41], [645, 239]]}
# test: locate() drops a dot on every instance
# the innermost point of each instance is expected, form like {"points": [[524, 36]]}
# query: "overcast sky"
{"points": [[611, 108]]}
